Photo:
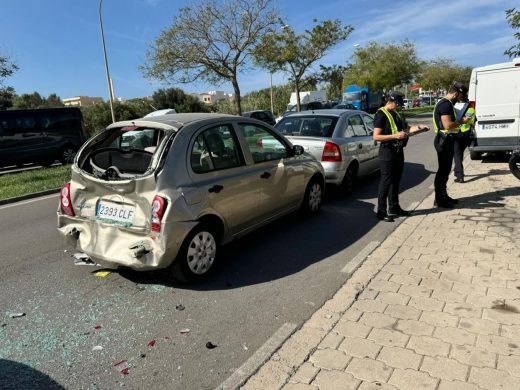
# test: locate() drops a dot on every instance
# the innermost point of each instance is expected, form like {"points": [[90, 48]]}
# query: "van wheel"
{"points": [[475, 155], [313, 196], [67, 155], [514, 165], [349, 181], [197, 256]]}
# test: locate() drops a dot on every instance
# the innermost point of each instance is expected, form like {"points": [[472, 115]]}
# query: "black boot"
{"points": [[443, 203], [383, 216], [399, 212]]}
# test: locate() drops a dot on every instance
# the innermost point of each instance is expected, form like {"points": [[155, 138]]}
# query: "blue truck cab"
{"points": [[362, 98]]}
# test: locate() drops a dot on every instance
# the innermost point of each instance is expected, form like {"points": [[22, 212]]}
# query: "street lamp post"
{"points": [[109, 81], [271, 89]]}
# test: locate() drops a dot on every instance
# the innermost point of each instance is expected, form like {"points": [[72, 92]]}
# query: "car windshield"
{"points": [[350, 97], [310, 126]]}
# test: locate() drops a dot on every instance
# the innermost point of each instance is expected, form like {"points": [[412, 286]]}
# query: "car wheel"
{"points": [[514, 165], [349, 181], [67, 155], [313, 196], [197, 256], [475, 155]]}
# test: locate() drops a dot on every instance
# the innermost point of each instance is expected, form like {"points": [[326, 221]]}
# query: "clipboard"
{"points": [[460, 109]]}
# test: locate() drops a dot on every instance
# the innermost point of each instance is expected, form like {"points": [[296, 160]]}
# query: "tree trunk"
{"points": [[297, 88], [236, 98]]}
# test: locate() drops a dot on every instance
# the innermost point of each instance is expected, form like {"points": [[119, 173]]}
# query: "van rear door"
{"points": [[497, 107]]}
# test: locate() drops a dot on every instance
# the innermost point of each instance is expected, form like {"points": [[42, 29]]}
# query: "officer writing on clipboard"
{"points": [[447, 128], [391, 129]]}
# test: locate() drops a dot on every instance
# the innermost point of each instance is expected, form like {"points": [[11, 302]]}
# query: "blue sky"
{"points": [[57, 43]]}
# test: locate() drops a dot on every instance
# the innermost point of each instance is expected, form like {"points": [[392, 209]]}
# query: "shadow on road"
{"points": [[294, 242], [16, 376]]}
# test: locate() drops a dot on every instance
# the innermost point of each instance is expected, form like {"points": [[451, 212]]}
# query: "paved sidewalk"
{"points": [[435, 306]]}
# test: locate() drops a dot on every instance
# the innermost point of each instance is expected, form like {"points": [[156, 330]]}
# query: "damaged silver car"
{"points": [[167, 191]]}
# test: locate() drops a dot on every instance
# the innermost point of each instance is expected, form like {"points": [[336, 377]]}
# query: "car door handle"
{"points": [[265, 175], [216, 188]]}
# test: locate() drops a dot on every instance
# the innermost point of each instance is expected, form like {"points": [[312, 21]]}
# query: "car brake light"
{"points": [[331, 152], [158, 207], [259, 143], [65, 202], [472, 103]]}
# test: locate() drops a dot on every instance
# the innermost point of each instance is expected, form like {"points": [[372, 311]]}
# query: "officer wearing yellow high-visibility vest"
{"points": [[461, 143], [391, 129], [447, 128]]}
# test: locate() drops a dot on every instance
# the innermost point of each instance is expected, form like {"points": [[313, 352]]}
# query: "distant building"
{"points": [[211, 97], [82, 101]]}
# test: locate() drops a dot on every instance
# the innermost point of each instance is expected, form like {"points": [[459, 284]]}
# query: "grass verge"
{"points": [[418, 110], [28, 182]]}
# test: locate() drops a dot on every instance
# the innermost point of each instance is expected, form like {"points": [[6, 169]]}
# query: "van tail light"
{"points": [[65, 202], [158, 207], [331, 152], [472, 103], [259, 143]]}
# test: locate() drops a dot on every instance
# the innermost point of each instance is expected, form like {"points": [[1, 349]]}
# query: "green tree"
{"points": [[332, 76], [294, 53], [439, 74], [98, 116], [177, 99], [29, 100], [54, 100], [210, 41], [7, 93], [513, 19], [383, 66]]}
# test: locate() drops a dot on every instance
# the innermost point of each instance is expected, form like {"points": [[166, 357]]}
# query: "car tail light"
{"points": [[158, 207], [472, 103], [331, 152], [65, 202], [259, 143]]}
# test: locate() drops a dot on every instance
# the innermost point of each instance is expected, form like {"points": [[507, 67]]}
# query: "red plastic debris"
{"points": [[151, 343], [122, 366], [97, 327]]}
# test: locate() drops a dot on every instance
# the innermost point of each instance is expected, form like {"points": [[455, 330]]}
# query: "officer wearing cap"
{"points": [[446, 128], [391, 129]]}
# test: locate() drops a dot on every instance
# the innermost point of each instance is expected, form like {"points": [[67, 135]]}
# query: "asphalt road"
{"points": [[77, 326]]}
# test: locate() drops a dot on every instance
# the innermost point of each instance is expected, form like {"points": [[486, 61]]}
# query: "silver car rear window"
{"points": [[309, 126]]}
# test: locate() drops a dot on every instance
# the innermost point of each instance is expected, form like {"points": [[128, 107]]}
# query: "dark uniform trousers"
{"points": [[460, 145], [445, 159], [391, 162]]}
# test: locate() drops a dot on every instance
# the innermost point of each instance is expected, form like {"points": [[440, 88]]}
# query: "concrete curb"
{"points": [[29, 196]]}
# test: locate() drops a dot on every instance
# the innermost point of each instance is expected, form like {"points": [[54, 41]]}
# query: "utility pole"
{"points": [[109, 80], [271, 87]]}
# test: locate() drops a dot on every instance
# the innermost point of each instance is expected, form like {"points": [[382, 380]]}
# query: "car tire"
{"points": [[197, 256], [349, 180], [67, 154], [475, 155], [514, 164], [313, 196]]}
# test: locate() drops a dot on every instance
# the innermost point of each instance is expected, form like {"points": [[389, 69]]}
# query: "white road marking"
{"points": [[242, 374], [353, 264], [29, 201]]}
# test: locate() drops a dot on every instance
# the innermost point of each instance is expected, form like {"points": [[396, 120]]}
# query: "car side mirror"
{"points": [[297, 150]]}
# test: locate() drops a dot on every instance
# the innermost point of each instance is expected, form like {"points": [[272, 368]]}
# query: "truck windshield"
{"points": [[350, 97]]}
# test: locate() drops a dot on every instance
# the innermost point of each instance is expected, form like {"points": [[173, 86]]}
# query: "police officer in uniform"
{"points": [[391, 129], [461, 143], [446, 128]]}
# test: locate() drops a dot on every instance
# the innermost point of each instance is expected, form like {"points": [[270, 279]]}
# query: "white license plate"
{"points": [[115, 213], [492, 126]]}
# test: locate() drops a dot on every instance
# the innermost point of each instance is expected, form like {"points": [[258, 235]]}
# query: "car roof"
{"points": [[327, 112], [171, 121]]}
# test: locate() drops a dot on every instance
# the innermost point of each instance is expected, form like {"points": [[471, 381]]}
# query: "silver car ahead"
{"points": [[167, 191], [340, 139]]}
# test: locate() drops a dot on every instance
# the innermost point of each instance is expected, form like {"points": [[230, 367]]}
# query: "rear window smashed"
{"points": [[122, 153]]}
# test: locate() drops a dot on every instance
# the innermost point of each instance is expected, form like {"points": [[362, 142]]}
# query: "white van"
{"points": [[494, 91]]}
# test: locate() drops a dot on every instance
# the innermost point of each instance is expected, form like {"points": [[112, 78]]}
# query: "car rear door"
{"points": [[373, 147], [280, 174], [218, 169], [363, 142]]}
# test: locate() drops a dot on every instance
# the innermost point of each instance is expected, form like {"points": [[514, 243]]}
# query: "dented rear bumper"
{"points": [[117, 246]]}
